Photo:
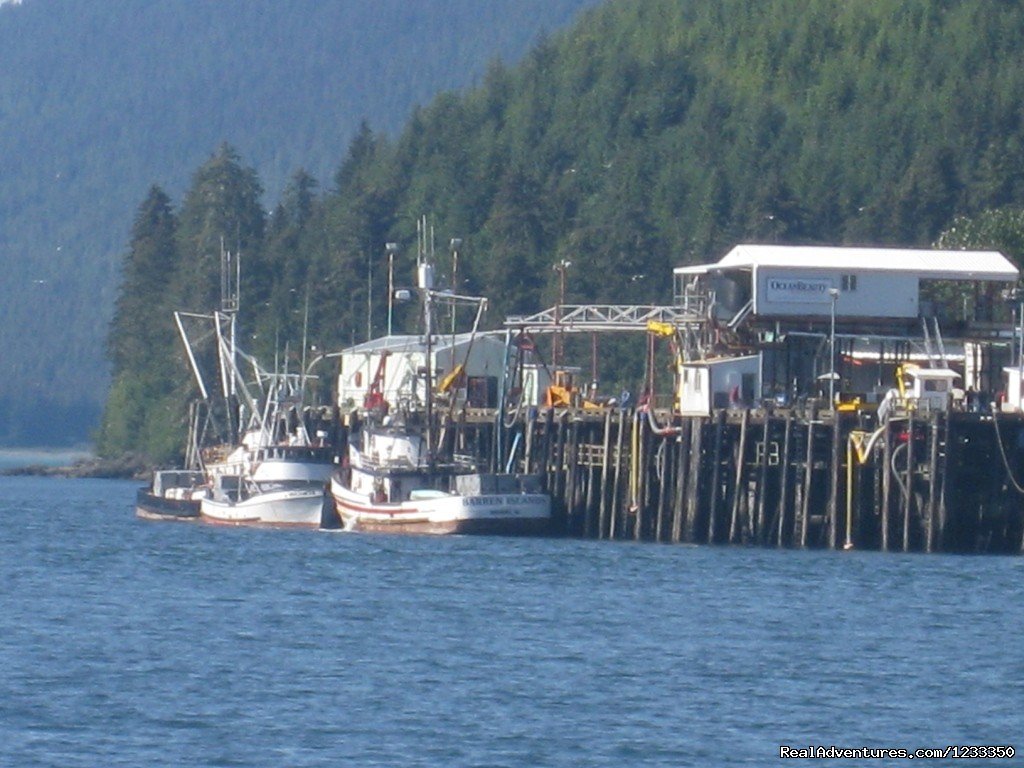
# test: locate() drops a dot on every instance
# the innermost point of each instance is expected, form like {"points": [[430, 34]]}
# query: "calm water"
{"points": [[133, 643]]}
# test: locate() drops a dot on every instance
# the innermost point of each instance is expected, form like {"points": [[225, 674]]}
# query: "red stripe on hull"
{"points": [[536, 526]]}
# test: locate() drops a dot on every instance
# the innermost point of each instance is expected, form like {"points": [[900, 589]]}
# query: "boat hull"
{"points": [[276, 509], [150, 506], [515, 514]]}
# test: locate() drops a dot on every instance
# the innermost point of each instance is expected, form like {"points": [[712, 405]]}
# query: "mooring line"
{"points": [[1002, 453]]}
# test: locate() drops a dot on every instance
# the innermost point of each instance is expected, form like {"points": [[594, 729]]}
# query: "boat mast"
{"points": [[230, 278], [425, 281]]}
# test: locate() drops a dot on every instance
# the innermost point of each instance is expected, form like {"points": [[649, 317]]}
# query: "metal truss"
{"points": [[589, 318]]}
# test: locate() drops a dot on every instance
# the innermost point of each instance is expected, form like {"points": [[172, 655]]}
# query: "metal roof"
{"points": [[412, 343], [933, 264]]}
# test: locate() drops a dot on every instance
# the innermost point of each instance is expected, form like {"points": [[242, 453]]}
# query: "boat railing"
{"points": [[293, 453], [385, 462]]}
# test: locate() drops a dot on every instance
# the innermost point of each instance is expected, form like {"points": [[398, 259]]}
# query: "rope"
{"points": [[904, 489], [1002, 452]]}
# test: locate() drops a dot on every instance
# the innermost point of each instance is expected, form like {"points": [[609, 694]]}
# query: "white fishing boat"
{"points": [[237, 500], [390, 484], [399, 477], [274, 461], [268, 483]]}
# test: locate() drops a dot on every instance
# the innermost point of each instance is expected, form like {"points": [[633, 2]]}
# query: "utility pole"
{"points": [[392, 249], [560, 268], [834, 294]]}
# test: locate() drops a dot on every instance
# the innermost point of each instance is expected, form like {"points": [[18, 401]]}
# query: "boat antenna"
{"points": [[305, 346]]}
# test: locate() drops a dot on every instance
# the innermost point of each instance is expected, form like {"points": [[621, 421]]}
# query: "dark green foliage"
{"points": [[97, 99], [654, 134]]}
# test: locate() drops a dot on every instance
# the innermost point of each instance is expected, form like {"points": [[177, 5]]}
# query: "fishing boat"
{"points": [[274, 457], [172, 494], [268, 482], [401, 476], [238, 500], [392, 484]]}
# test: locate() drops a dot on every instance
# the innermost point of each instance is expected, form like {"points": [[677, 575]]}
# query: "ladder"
{"points": [[937, 352]]}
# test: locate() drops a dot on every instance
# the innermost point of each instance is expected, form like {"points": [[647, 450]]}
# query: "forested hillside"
{"points": [[100, 99], [649, 135]]}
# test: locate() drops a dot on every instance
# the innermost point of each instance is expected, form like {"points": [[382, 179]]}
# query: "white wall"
{"points": [[787, 291], [694, 390], [357, 369], [1014, 390], [699, 383]]}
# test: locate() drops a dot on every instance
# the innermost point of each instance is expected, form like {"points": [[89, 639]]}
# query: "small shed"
{"points": [[931, 388], [717, 383], [398, 366]]}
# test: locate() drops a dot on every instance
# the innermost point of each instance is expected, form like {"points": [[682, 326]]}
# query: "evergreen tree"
{"points": [[142, 322], [144, 411], [221, 211]]}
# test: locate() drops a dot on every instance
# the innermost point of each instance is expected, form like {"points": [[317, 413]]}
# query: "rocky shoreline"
{"points": [[123, 468]]}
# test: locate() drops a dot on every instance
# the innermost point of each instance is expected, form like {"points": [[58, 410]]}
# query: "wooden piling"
{"points": [[933, 481], [779, 515], [714, 504], [572, 467], [589, 512], [738, 480], [836, 474], [682, 475], [887, 470], [761, 488], [908, 488], [694, 486], [616, 502], [602, 511], [805, 510], [946, 458]]}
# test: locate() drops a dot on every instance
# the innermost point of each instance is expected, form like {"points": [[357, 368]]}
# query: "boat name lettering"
{"points": [[495, 501]]}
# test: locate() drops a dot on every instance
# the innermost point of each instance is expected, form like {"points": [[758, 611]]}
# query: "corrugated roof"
{"points": [[934, 264]]}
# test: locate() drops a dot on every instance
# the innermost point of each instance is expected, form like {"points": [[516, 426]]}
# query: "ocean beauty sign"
{"points": [[806, 290]]}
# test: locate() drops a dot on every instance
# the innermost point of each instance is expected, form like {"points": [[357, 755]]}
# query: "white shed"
{"points": [[400, 363], [779, 281], [717, 383]]}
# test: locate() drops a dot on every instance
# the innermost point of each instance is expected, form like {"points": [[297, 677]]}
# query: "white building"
{"points": [[717, 383], [782, 281], [399, 362], [827, 320]]}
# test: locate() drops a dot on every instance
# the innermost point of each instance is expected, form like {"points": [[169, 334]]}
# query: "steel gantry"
{"points": [[594, 318]]}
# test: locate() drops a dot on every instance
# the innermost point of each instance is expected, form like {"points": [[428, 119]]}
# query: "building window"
{"points": [[849, 282]]}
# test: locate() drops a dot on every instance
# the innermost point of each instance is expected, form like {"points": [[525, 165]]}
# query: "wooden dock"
{"points": [[794, 478]]}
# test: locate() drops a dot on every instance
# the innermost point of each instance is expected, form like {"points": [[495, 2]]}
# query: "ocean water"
{"points": [[133, 643]]}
